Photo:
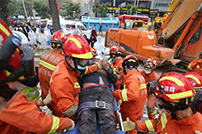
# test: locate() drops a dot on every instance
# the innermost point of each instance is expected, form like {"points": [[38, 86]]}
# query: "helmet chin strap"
{"points": [[71, 68], [76, 63]]}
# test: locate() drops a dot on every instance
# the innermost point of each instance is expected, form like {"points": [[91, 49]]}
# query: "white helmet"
{"points": [[23, 38]]}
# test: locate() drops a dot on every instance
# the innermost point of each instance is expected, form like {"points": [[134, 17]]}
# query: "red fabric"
{"points": [[184, 126], [24, 116], [94, 33]]}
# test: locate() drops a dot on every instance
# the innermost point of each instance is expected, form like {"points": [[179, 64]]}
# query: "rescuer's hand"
{"points": [[105, 64], [72, 127], [129, 125]]}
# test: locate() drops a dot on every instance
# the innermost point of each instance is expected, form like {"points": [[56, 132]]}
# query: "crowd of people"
{"points": [[82, 85]]}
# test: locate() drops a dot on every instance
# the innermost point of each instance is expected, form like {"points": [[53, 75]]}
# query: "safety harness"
{"points": [[94, 105]]}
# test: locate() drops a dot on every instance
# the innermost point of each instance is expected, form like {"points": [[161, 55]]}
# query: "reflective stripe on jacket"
{"points": [[24, 116], [166, 125], [134, 96]]}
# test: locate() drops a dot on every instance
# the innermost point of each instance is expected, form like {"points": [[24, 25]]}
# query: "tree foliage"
{"points": [[4, 10], [42, 8], [131, 9], [101, 9], [28, 7], [70, 9]]}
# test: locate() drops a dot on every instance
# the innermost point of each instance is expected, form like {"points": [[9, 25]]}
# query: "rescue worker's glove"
{"points": [[197, 102], [72, 127], [122, 86], [129, 125], [197, 132]]}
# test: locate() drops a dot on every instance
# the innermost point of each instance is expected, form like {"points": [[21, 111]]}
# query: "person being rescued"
{"points": [[96, 102]]}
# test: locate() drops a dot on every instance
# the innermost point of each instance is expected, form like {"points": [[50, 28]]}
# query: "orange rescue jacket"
{"points": [[24, 116], [47, 64], [166, 125], [65, 88], [133, 95], [118, 69], [151, 98], [196, 66]]}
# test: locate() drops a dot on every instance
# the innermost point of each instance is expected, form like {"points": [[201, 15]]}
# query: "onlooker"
{"points": [[32, 36], [100, 29], [88, 33], [48, 35], [38, 35], [94, 33], [92, 40]]}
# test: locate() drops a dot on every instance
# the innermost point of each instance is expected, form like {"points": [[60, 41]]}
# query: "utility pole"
{"points": [[134, 2], [24, 9], [54, 14], [114, 4]]}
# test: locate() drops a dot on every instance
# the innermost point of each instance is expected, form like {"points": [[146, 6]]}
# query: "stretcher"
{"points": [[121, 131]]}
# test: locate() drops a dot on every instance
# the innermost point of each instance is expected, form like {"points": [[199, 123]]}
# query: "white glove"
{"points": [[197, 132], [73, 125]]}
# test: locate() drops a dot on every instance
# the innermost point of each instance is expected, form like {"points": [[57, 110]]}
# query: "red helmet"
{"points": [[195, 79], [150, 63], [58, 38], [77, 46], [130, 60], [94, 52], [115, 50], [15, 56], [172, 87]]}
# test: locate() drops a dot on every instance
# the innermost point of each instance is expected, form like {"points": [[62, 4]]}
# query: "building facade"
{"points": [[116, 7]]}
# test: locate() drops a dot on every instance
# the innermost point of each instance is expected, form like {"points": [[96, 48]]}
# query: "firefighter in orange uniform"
{"points": [[116, 63], [174, 93], [24, 116], [196, 81], [64, 88], [48, 63], [134, 93], [21, 116], [150, 75], [196, 65]]}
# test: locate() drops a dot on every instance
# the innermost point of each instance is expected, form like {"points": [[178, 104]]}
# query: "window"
{"points": [[195, 37], [161, 4], [144, 4]]}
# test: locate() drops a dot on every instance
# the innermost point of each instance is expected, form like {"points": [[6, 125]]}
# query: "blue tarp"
{"points": [[106, 22]]}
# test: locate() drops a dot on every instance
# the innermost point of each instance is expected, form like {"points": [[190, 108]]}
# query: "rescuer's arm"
{"points": [[130, 93], [63, 93], [110, 73], [192, 64], [27, 116], [91, 69], [146, 126]]}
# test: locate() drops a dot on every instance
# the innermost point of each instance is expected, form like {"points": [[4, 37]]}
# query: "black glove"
{"points": [[197, 100]]}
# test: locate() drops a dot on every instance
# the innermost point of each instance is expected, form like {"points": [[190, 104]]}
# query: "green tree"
{"points": [[4, 10], [42, 8], [131, 9], [28, 7], [70, 9], [101, 9]]}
